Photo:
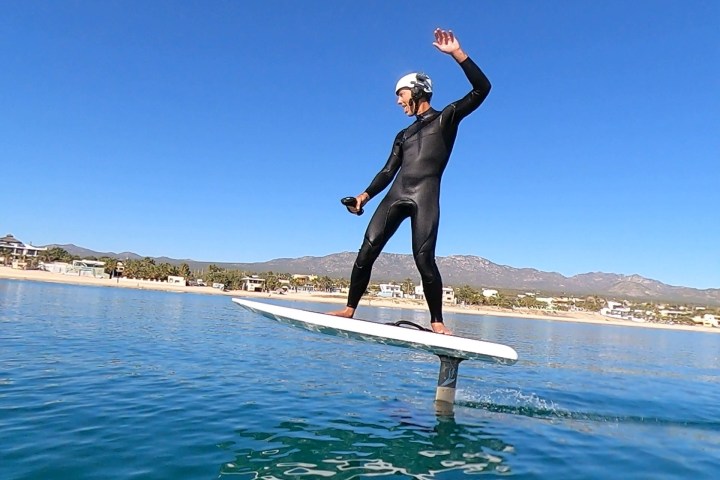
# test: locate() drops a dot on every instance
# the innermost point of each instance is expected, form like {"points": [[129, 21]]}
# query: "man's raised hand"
{"points": [[446, 42]]}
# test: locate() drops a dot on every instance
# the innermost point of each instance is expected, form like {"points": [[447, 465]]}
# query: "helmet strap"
{"points": [[414, 105]]}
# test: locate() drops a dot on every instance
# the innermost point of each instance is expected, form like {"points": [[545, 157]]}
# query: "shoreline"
{"points": [[412, 304]]}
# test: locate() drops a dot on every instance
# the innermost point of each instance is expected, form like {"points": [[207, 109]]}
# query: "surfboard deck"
{"points": [[443, 345]]}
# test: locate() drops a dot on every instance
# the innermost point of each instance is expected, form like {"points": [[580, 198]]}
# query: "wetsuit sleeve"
{"points": [[385, 176], [480, 90]]}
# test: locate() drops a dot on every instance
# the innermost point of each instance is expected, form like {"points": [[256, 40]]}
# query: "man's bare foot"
{"points": [[439, 327], [347, 312]]}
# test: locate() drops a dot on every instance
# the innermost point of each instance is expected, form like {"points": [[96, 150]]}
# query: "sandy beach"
{"points": [[582, 317]]}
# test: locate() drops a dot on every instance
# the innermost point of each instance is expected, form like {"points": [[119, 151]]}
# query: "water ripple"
{"points": [[535, 407]]}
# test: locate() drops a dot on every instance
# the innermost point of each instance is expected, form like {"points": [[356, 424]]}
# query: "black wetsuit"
{"points": [[419, 156]]}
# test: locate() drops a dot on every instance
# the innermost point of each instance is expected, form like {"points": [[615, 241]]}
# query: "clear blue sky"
{"points": [[228, 130]]}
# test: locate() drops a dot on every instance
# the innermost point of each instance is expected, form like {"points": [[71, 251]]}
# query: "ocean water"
{"points": [[110, 383]]}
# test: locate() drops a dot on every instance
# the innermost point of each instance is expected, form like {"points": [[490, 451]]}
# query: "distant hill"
{"points": [[460, 270], [84, 252]]}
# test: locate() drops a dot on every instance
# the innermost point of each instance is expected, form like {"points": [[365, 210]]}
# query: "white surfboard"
{"points": [[443, 345]]}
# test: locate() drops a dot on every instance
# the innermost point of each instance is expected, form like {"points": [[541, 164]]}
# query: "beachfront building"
{"points": [[707, 320], [81, 268], [622, 311], [388, 290], [253, 284], [448, 295], [615, 310], [88, 268], [489, 293], [16, 253], [56, 267], [675, 313], [304, 283], [175, 280]]}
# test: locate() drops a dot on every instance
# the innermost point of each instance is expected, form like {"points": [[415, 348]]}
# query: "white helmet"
{"points": [[418, 83]]}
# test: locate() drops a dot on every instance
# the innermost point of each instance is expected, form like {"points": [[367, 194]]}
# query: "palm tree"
{"points": [[56, 254], [164, 270], [503, 301], [272, 282], [466, 294], [407, 286], [110, 264], [324, 283], [6, 252], [185, 271]]}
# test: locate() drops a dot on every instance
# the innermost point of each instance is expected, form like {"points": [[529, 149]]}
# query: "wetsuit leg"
{"points": [[382, 226], [425, 222]]}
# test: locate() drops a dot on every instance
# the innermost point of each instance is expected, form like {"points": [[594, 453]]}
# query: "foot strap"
{"points": [[409, 324]]}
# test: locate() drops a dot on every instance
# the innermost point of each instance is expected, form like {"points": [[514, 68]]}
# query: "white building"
{"points": [[388, 290], [56, 267], [448, 294], [617, 310], [622, 312], [17, 253], [304, 283], [707, 320], [253, 284], [175, 280], [81, 268], [88, 268]]}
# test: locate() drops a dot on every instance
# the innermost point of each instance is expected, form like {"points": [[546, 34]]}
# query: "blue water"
{"points": [[100, 383]]}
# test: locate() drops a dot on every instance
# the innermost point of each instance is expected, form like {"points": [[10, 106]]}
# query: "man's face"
{"points": [[403, 99]]}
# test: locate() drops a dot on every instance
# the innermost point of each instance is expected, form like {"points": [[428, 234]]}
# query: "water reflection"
{"points": [[349, 448]]}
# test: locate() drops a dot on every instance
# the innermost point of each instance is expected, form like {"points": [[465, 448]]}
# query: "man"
{"points": [[418, 158]]}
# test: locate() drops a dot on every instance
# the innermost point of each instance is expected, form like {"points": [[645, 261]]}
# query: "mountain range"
{"points": [[459, 270]]}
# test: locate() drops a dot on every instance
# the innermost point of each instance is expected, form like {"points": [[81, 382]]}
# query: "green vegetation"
{"points": [[57, 254], [232, 279], [146, 268]]}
